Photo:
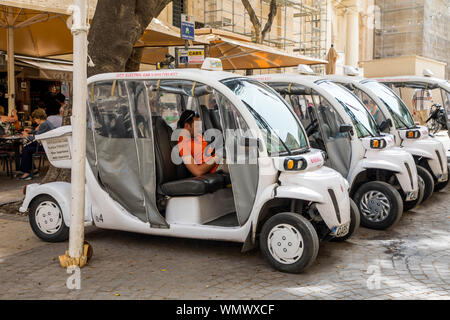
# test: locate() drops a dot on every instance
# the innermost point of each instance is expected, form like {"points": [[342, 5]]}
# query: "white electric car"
{"points": [[393, 117], [277, 189], [405, 87], [382, 177]]}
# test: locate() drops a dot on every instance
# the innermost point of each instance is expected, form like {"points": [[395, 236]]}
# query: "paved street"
{"points": [[411, 261]]}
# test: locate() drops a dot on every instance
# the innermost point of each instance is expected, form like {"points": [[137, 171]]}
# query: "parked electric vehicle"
{"points": [[405, 86], [382, 177], [393, 117], [286, 197]]}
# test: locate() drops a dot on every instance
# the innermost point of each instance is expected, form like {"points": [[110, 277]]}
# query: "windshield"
{"points": [[364, 123], [283, 131], [398, 110]]}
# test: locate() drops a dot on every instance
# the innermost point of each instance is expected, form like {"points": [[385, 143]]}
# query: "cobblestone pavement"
{"points": [[408, 262]]}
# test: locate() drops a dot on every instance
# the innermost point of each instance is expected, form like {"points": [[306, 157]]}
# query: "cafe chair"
{"points": [[39, 155], [6, 162]]}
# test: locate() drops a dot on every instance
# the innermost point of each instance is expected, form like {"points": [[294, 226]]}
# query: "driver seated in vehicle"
{"points": [[197, 156]]}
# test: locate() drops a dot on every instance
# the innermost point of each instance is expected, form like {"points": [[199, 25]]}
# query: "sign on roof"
{"points": [[187, 27]]}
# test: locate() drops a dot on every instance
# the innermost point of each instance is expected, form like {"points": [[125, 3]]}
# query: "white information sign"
{"points": [[58, 149]]}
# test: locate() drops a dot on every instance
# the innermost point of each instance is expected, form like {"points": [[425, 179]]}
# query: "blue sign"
{"points": [[187, 27]]}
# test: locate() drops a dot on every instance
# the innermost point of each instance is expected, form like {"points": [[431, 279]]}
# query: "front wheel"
{"points": [[380, 205], [355, 221], [46, 219], [289, 242]]}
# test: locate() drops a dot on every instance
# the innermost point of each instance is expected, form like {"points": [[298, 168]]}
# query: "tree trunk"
{"points": [[116, 26], [260, 34], [59, 174]]}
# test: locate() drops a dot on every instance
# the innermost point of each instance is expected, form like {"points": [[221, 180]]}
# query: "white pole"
{"points": [[79, 31], [11, 76]]}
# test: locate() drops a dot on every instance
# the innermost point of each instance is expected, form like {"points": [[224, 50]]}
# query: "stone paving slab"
{"points": [[410, 261]]}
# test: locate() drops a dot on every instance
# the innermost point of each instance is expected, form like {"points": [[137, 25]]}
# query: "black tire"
{"points": [[61, 233], [309, 243], [355, 221], [429, 182], [440, 185], [409, 205], [394, 200]]}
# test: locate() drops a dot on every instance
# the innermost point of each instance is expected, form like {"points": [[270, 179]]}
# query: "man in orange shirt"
{"points": [[197, 156]]}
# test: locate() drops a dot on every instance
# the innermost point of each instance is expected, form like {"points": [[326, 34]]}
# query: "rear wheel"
{"points": [[380, 205], [355, 221], [289, 242], [409, 205], [46, 219]]}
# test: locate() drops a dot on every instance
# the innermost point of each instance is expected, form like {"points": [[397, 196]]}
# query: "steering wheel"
{"points": [[312, 127]]}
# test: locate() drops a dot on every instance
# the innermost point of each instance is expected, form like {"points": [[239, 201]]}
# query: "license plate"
{"points": [[341, 230]]}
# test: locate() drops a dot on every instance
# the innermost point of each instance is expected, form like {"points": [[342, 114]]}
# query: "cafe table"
{"points": [[16, 141]]}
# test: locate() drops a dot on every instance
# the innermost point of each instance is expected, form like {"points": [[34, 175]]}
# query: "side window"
{"points": [[232, 118], [140, 109], [166, 99], [370, 105], [235, 128], [169, 108], [110, 109], [330, 119]]}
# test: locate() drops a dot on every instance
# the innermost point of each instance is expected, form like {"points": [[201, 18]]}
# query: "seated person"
{"points": [[40, 118], [197, 156], [56, 120]]}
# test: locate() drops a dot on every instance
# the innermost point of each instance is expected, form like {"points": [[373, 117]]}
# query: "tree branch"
{"points": [[253, 19], [270, 18]]}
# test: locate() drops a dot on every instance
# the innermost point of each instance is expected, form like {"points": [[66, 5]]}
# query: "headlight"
{"points": [[378, 143], [294, 164], [413, 134]]}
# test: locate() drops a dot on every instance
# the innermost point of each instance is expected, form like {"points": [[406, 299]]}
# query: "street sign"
{"points": [[191, 56], [187, 27]]}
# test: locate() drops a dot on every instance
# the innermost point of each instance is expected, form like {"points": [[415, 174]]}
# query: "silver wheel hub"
{"points": [[285, 243], [375, 206], [48, 217]]}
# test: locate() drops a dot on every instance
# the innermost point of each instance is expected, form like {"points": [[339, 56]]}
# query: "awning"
{"points": [[240, 55], [51, 70]]}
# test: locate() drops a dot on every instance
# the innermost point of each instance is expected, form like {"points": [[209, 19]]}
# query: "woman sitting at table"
{"points": [[40, 118]]}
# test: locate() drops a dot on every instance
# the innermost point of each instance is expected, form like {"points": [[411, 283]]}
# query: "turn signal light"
{"points": [[294, 164], [413, 134], [378, 143]]}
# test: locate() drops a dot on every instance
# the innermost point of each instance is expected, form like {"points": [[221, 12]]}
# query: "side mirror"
{"points": [[250, 142], [345, 128], [385, 124]]}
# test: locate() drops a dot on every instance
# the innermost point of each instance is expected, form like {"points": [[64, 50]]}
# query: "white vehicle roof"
{"points": [[284, 77], [431, 80], [343, 78], [200, 75]]}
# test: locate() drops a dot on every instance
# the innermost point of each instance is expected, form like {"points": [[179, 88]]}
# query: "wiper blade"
{"points": [[355, 120]]}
